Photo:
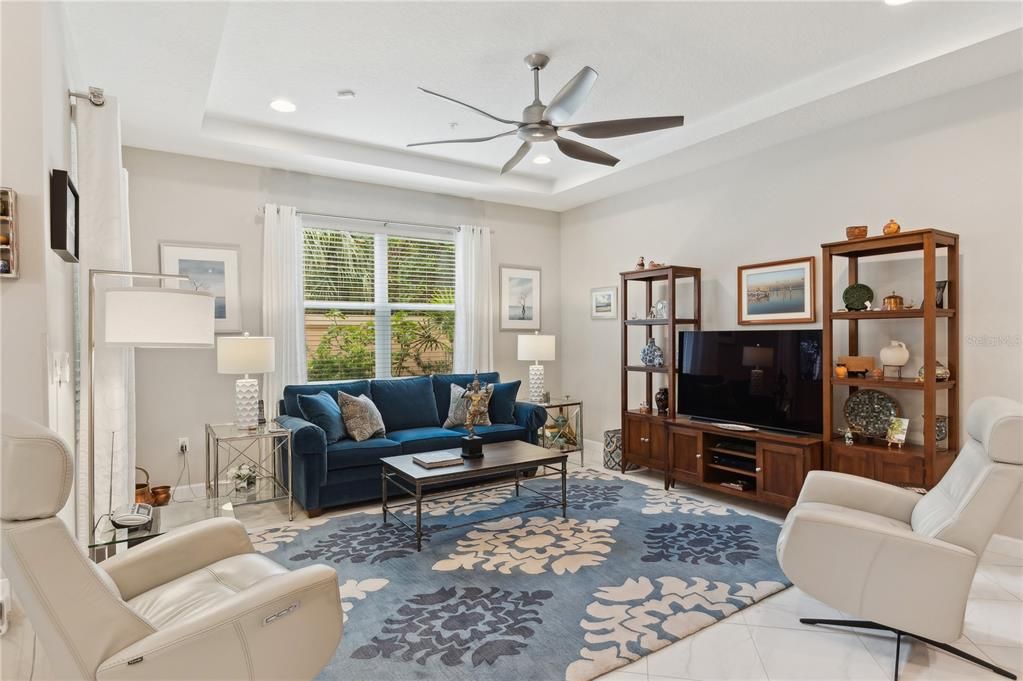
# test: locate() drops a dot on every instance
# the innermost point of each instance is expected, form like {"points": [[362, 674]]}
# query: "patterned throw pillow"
{"points": [[362, 418], [459, 407]]}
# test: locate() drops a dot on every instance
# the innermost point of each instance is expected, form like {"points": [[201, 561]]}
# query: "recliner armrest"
{"points": [[285, 626], [862, 494], [176, 553]]}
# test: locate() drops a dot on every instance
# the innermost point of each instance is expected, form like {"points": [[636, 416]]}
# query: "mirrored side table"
{"points": [[563, 430], [266, 450]]}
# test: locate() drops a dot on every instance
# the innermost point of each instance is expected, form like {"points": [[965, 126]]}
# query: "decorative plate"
{"points": [[869, 412], [857, 296]]}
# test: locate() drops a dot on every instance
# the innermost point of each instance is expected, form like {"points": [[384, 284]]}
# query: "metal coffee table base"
{"points": [[420, 497]]}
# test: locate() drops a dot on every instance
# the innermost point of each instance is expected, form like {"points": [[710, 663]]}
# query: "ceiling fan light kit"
{"points": [[544, 122]]}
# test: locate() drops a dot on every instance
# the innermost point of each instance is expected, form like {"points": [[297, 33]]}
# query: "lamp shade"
{"points": [[245, 354], [756, 356], [536, 348], [152, 317]]}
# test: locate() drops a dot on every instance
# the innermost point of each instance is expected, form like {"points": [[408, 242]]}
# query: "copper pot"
{"points": [[143, 494], [892, 302], [161, 495]]}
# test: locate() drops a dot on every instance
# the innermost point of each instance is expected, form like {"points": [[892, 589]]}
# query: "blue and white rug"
{"points": [[533, 596]]}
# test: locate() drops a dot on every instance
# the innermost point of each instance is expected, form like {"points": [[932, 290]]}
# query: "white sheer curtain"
{"points": [[474, 312], [105, 243], [283, 312]]}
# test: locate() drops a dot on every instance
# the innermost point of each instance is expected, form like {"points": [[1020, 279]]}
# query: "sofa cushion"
{"points": [[498, 432], [291, 392], [459, 410], [323, 410], [361, 417], [442, 386], [416, 440], [406, 402], [502, 404], [348, 453]]}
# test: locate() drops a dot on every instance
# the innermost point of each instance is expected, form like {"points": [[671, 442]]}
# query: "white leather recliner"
{"points": [[197, 603], [902, 561]]}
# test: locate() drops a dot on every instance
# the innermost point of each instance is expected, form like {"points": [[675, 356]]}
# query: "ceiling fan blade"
{"points": [[623, 126], [467, 139], [584, 152], [571, 97], [470, 106], [519, 155]]}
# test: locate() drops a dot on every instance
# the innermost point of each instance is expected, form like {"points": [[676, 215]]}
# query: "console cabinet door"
{"points": [[852, 461], [899, 469], [781, 470], [645, 442], [684, 453]]}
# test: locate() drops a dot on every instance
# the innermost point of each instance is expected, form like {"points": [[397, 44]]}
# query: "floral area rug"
{"points": [[533, 596]]}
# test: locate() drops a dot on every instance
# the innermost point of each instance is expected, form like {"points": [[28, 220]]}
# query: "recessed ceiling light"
{"points": [[896, 3], [346, 94], [283, 105], [542, 160]]}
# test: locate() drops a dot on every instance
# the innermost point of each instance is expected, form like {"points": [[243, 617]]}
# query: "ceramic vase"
{"points": [[652, 356], [661, 400], [895, 354]]}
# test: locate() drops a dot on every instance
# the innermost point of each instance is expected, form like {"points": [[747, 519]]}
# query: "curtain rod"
{"points": [[378, 221]]}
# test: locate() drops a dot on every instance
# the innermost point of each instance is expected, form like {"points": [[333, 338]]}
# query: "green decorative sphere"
{"points": [[857, 296]]}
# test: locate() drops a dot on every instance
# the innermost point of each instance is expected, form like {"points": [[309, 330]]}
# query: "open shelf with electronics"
{"points": [[913, 464], [644, 437]]}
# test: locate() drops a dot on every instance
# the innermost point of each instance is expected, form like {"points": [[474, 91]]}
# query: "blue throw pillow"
{"points": [[323, 410], [405, 402], [502, 404]]}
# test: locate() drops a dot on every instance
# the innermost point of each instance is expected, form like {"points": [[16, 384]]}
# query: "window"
{"points": [[377, 305]]}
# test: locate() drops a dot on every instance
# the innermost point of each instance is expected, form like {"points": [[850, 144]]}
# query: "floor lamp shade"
{"points": [[536, 348], [245, 355], [152, 317]]}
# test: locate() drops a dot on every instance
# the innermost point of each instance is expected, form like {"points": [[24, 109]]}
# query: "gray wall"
{"points": [[952, 162], [184, 198]]}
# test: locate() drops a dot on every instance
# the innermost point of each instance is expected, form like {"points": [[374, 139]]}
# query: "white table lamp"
{"points": [[245, 355], [536, 348]]}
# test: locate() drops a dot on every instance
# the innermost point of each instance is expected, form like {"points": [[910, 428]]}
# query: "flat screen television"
{"points": [[767, 379]]}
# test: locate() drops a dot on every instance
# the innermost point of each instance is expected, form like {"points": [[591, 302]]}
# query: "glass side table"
{"points": [[267, 451], [564, 427], [165, 518]]}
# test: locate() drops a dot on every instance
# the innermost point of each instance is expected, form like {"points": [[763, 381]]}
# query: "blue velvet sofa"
{"points": [[413, 409]]}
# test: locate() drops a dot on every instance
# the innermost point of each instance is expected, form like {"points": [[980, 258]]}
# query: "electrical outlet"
{"points": [[182, 445]]}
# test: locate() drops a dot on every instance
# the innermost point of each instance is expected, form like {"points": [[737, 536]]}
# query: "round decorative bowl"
{"points": [[857, 296], [856, 232], [161, 495], [941, 373]]}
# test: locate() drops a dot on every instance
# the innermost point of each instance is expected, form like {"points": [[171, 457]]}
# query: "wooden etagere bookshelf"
{"points": [[642, 444], [9, 238], [913, 464]]}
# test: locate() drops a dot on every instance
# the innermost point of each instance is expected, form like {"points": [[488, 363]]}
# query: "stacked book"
{"points": [[438, 459]]}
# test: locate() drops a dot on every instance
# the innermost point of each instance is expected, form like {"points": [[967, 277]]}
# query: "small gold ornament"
{"points": [[892, 227]]}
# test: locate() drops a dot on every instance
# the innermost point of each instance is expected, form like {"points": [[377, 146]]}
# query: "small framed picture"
{"points": [[604, 303], [520, 298], [212, 268], [780, 292], [897, 429], [63, 216]]}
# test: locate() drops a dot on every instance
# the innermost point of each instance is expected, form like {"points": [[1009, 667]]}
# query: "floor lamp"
{"points": [[142, 317]]}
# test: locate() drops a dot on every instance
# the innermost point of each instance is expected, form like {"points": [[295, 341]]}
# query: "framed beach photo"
{"points": [[213, 268], [519, 298], [604, 303], [780, 292]]}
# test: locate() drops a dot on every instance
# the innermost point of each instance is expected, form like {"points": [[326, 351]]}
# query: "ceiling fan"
{"points": [[544, 122]]}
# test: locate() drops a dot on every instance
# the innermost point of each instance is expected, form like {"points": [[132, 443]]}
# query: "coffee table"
{"points": [[514, 458]]}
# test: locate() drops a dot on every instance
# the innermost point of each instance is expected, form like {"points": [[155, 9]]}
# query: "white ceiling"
{"points": [[197, 78]]}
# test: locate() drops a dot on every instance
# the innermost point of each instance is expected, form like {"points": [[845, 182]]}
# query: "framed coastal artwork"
{"points": [[780, 292], [520, 298], [213, 268], [604, 303]]}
